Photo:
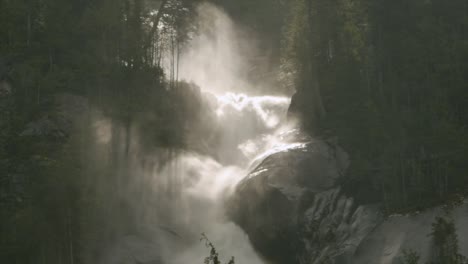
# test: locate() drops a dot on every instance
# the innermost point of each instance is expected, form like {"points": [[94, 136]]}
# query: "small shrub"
{"points": [[410, 257], [213, 258]]}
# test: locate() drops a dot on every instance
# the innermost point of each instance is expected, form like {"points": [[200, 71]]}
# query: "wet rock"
{"points": [[293, 210], [334, 226]]}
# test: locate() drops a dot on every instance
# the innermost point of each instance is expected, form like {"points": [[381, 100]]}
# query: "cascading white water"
{"points": [[250, 126], [184, 192]]}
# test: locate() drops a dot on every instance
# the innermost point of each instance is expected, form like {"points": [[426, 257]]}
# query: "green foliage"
{"points": [[445, 242], [410, 257], [108, 52], [389, 76], [213, 258], [445, 245]]}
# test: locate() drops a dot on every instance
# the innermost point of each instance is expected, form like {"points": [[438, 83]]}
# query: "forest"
{"points": [[387, 80]]}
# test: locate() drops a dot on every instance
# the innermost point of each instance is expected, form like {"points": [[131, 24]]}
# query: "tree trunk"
{"points": [[156, 21], [178, 60], [313, 76], [28, 41], [38, 94], [70, 236]]}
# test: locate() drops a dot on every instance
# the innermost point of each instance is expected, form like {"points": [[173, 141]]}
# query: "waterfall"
{"points": [[180, 193], [248, 126]]}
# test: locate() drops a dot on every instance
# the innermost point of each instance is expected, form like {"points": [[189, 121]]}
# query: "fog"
{"points": [[179, 194], [218, 55]]}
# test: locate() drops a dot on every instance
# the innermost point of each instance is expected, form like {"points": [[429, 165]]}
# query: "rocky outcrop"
{"points": [[334, 226], [67, 111], [294, 211]]}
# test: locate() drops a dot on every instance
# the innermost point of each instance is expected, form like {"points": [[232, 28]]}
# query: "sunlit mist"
{"points": [[264, 106], [185, 190], [216, 59]]}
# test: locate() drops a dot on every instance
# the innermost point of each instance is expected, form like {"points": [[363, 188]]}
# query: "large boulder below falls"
{"points": [[293, 210]]}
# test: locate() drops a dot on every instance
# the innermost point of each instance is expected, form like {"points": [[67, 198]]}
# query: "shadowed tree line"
{"points": [[387, 79], [61, 63]]}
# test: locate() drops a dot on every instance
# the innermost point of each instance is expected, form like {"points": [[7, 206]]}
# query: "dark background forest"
{"points": [[386, 79]]}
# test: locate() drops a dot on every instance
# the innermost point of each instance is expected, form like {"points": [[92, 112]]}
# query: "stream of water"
{"points": [[188, 191], [252, 127]]}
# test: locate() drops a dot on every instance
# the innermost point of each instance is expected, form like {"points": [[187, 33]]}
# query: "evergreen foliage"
{"points": [[410, 257], [445, 242], [388, 80], [445, 245], [53, 209], [213, 258]]}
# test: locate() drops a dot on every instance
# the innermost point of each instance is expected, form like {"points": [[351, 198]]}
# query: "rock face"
{"points": [[293, 210], [68, 112]]}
